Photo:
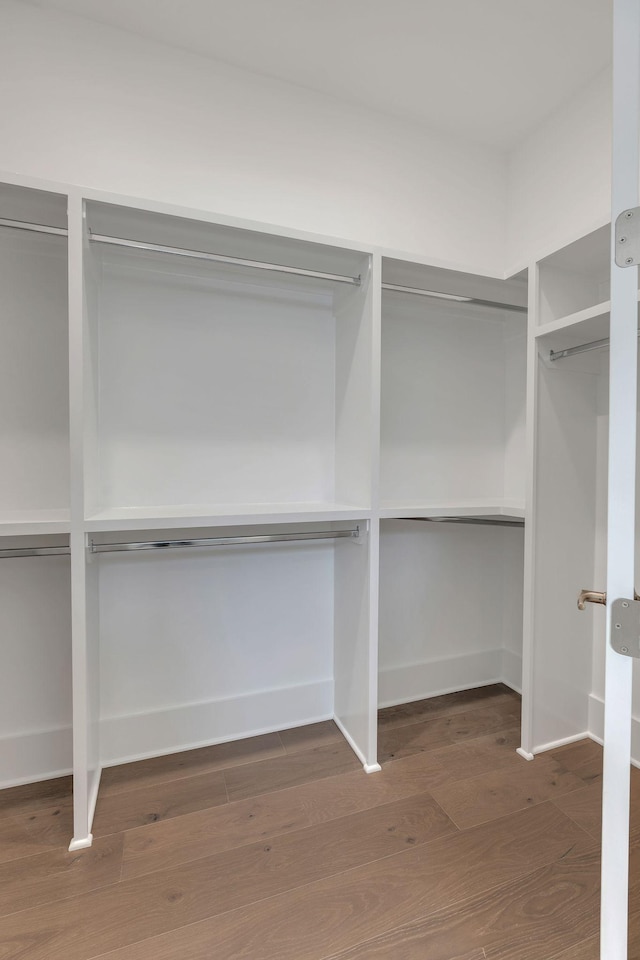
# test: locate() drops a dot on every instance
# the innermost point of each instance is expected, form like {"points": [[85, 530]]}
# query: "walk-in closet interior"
{"points": [[278, 446], [338, 446]]}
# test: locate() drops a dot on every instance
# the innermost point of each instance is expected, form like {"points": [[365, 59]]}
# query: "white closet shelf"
{"points": [[468, 508], [220, 515], [16, 523], [576, 329]]}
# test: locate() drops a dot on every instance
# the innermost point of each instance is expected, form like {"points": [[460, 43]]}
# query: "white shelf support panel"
{"points": [[622, 487]]}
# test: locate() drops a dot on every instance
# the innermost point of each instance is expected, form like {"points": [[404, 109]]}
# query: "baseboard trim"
{"points": [[512, 670], [435, 678], [43, 755], [368, 767], [562, 742], [596, 727], [191, 726]]}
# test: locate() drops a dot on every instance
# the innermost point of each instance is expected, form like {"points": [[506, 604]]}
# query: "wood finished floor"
{"points": [[281, 848]]}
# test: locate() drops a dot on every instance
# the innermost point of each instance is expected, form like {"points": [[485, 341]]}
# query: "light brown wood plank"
{"points": [[134, 909], [584, 807], [189, 763], [310, 736], [583, 758], [52, 826], [471, 758], [585, 950], [30, 797], [171, 842], [17, 841], [499, 792], [58, 874], [484, 720], [339, 912], [123, 811], [450, 703], [292, 769], [527, 919], [429, 734]]}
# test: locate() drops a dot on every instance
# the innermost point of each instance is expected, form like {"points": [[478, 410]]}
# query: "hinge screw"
{"points": [[628, 214], [624, 649], [622, 239], [625, 604], [618, 626], [629, 260]]}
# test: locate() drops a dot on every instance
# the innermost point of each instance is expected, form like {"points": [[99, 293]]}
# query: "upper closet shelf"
{"points": [[220, 515], [585, 328], [470, 508], [16, 523]]}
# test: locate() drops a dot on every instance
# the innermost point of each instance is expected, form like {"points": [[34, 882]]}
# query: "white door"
{"points": [[622, 487]]}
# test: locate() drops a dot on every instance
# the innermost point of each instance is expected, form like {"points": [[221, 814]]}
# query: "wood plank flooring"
{"points": [[281, 848]]}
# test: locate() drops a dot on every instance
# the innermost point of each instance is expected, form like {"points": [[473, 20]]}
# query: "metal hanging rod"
{"points": [[581, 348], [396, 288], [35, 552], [34, 227], [223, 541], [479, 521], [219, 258]]}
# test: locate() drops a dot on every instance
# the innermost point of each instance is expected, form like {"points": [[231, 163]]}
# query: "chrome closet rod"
{"points": [[581, 348], [418, 291], [222, 541], [219, 258], [35, 552], [34, 227], [479, 521]]}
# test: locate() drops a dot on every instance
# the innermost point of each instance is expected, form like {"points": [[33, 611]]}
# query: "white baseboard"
{"points": [[47, 754], [596, 727], [187, 727], [28, 757], [562, 742], [433, 678], [512, 670]]}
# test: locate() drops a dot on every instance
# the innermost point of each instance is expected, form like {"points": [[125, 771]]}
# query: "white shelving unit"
{"points": [[35, 605], [228, 382], [452, 428], [566, 548]]}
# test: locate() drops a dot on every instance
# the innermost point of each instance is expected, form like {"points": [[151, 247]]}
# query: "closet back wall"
{"points": [[95, 106]]}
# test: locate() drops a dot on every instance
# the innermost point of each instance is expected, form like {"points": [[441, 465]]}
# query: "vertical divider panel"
{"points": [[357, 565], [621, 504], [84, 573], [526, 743]]}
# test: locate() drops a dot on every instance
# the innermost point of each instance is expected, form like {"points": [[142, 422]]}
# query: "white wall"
{"points": [[97, 106], [560, 177], [450, 608]]}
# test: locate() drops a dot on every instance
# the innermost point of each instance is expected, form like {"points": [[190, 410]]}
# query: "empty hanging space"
{"points": [[450, 608], [453, 393], [34, 394], [230, 373], [570, 493], [35, 680], [213, 635], [453, 479]]}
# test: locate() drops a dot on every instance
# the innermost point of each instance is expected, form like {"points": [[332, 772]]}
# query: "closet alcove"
{"points": [[452, 480]]}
